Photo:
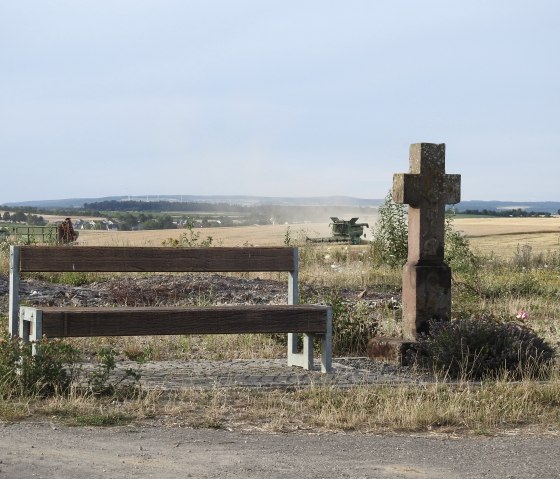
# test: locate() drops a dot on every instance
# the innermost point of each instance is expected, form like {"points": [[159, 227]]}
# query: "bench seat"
{"points": [[63, 322]]}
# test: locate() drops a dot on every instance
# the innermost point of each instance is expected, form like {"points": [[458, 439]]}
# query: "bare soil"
{"points": [[169, 290]]}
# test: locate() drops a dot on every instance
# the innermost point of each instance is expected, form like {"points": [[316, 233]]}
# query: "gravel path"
{"points": [[270, 373], [42, 450]]}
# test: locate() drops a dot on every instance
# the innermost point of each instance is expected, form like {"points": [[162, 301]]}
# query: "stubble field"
{"points": [[500, 236]]}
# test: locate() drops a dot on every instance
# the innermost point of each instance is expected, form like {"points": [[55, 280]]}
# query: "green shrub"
{"points": [[390, 239], [55, 369], [480, 348], [22, 374], [353, 323], [189, 239], [101, 382], [390, 234], [458, 253]]}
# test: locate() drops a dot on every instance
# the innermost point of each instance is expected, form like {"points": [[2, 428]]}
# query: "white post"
{"points": [[293, 298], [31, 326], [295, 358], [13, 315], [326, 345]]}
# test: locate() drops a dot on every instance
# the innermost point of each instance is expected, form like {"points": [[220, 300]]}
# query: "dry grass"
{"points": [[505, 245], [212, 347], [465, 407]]}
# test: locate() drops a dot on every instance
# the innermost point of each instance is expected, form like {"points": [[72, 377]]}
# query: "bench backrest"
{"points": [[153, 259], [148, 259]]}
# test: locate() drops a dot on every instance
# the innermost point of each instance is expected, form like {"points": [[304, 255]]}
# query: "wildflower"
{"points": [[522, 314]]}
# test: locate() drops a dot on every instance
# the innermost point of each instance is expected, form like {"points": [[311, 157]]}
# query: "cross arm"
{"points": [[406, 189]]}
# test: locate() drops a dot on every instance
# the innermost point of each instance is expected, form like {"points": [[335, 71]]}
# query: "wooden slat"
{"points": [[149, 259], [90, 322]]}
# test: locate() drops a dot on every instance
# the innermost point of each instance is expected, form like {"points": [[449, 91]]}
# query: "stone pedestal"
{"points": [[426, 295]]}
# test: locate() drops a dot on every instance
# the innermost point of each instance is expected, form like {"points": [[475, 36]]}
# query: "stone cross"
{"points": [[426, 278]]}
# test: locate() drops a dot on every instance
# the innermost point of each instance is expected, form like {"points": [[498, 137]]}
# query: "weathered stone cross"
{"points": [[426, 278]]}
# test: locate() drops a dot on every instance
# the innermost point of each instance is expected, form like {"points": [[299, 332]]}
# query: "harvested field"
{"points": [[501, 236], [476, 227], [269, 235]]}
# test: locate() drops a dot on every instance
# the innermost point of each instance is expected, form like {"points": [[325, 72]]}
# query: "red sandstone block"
{"points": [[389, 349]]}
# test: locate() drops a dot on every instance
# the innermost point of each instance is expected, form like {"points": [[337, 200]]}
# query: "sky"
{"points": [[276, 98]]}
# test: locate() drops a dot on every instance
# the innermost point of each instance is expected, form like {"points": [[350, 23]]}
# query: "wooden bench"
{"points": [[32, 323]]}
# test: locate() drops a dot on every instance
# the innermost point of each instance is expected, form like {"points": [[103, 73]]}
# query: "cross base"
{"points": [[390, 350], [426, 296]]}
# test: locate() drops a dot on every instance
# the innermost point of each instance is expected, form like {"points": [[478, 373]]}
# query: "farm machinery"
{"points": [[343, 231]]}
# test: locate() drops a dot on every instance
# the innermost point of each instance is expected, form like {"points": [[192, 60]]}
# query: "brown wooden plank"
{"points": [[150, 259], [90, 322]]}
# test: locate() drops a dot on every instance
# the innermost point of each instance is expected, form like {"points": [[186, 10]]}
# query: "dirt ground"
{"points": [[49, 451]]}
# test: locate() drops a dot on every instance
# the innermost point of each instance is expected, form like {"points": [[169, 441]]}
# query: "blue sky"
{"points": [[276, 98]]}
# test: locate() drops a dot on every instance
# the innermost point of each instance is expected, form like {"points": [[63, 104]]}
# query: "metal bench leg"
{"points": [[295, 358], [303, 359], [326, 345], [31, 326]]}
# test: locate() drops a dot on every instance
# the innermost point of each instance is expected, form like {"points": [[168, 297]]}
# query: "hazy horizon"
{"points": [[309, 201]]}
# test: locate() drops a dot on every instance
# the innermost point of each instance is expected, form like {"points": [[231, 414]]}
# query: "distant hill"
{"points": [[233, 200], [329, 201], [541, 206]]}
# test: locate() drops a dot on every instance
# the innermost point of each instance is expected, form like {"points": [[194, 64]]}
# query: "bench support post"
{"points": [[31, 326], [13, 315], [326, 345], [303, 359]]}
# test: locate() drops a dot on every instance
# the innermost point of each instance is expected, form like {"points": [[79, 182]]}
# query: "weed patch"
{"points": [[482, 348]]}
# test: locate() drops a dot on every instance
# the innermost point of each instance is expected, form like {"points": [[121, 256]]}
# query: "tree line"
{"points": [[161, 206], [518, 212], [22, 217]]}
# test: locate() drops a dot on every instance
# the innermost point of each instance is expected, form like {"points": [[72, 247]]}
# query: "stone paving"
{"points": [[269, 373]]}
